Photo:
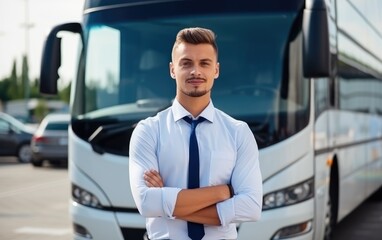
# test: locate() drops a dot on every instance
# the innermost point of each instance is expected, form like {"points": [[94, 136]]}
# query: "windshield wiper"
{"points": [[108, 138]]}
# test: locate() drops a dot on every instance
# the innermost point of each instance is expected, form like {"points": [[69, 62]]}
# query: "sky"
{"points": [[42, 15]]}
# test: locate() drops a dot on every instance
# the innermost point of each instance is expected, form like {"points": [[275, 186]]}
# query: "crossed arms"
{"points": [[211, 205], [194, 205]]}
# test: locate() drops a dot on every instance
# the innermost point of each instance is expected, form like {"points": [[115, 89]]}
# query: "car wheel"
{"points": [[24, 154]]}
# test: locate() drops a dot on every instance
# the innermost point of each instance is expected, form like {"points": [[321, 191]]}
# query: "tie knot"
{"points": [[192, 122]]}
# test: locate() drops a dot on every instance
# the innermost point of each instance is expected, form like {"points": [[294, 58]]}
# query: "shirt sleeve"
{"points": [[246, 181], [151, 202]]}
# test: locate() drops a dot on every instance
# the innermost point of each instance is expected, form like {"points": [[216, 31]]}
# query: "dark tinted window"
{"points": [[358, 90], [321, 95], [57, 126]]}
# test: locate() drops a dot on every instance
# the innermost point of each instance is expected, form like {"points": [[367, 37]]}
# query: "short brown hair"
{"points": [[196, 35]]}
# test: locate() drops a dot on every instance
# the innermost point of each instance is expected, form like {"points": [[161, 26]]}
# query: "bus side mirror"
{"points": [[51, 57], [316, 53]]}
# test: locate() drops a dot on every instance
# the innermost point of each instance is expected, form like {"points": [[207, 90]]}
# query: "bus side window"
{"points": [[322, 95]]}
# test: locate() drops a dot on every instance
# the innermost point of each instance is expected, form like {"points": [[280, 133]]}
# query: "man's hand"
{"points": [[153, 179], [195, 205]]}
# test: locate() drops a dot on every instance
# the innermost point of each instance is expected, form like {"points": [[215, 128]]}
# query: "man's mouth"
{"points": [[195, 80]]}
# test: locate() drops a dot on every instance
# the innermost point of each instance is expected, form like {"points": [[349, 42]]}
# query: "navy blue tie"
{"points": [[195, 230]]}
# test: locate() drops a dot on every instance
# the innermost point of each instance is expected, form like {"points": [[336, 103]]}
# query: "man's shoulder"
{"points": [[228, 119], [158, 117], [235, 127]]}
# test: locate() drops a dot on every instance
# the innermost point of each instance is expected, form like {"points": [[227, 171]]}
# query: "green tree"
{"points": [[13, 90], [41, 110], [4, 86], [34, 87], [19, 87], [64, 94], [24, 88]]}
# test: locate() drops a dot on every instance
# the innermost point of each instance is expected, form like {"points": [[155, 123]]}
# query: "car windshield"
{"points": [[15, 124]]}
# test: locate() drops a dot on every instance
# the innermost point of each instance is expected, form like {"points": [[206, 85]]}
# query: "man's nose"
{"points": [[195, 71]]}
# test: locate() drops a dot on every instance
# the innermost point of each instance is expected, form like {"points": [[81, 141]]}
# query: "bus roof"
{"points": [[218, 5]]}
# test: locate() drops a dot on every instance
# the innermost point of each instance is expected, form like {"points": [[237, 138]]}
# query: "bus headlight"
{"points": [[84, 197], [289, 196]]}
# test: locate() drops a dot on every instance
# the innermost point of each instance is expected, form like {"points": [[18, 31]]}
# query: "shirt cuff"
{"points": [[226, 211], [169, 196]]}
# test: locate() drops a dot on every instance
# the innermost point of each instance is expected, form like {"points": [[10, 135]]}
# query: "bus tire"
{"points": [[332, 203]]}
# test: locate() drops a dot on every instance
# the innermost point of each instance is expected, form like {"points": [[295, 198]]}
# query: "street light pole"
{"points": [[27, 26]]}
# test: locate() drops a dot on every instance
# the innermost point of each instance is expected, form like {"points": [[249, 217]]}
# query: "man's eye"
{"points": [[205, 63]]}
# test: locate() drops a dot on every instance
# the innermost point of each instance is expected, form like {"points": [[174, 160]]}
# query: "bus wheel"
{"points": [[332, 203]]}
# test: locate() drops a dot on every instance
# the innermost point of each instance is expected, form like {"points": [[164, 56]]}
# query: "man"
{"points": [[228, 186]]}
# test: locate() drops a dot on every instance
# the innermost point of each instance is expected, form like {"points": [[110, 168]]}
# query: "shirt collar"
{"points": [[179, 111]]}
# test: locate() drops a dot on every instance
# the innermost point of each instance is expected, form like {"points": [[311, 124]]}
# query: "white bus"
{"points": [[306, 75]]}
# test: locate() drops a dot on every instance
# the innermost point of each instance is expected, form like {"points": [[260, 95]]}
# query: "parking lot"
{"points": [[33, 202]]}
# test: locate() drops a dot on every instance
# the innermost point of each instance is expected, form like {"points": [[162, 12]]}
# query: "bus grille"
{"points": [[134, 234]]}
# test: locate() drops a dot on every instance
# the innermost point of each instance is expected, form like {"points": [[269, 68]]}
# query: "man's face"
{"points": [[194, 67]]}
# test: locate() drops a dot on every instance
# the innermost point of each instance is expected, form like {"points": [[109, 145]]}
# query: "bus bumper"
{"points": [[91, 223], [290, 219]]}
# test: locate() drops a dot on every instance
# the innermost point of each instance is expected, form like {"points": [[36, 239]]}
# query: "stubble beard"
{"points": [[196, 93]]}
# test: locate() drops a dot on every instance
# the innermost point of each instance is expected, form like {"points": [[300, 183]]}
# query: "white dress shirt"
{"points": [[228, 153]]}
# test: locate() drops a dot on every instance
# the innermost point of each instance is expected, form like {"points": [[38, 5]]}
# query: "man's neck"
{"points": [[194, 105]]}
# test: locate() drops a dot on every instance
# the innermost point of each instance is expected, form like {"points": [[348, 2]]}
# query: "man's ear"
{"points": [[172, 74], [217, 70]]}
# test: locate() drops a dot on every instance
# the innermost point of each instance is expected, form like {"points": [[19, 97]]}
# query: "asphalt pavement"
{"points": [[34, 202], [364, 223]]}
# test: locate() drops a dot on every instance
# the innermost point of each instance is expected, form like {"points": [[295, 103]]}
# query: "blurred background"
{"points": [[34, 198], [24, 25]]}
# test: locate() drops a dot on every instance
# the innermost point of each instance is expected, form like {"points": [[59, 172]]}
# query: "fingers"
{"points": [[153, 179]]}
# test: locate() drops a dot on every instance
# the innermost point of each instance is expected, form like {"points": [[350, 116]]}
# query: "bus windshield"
{"points": [[126, 72]]}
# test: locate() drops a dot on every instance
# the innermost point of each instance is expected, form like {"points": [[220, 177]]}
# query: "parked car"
{"points": [[50, 141], [15, 138]]}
